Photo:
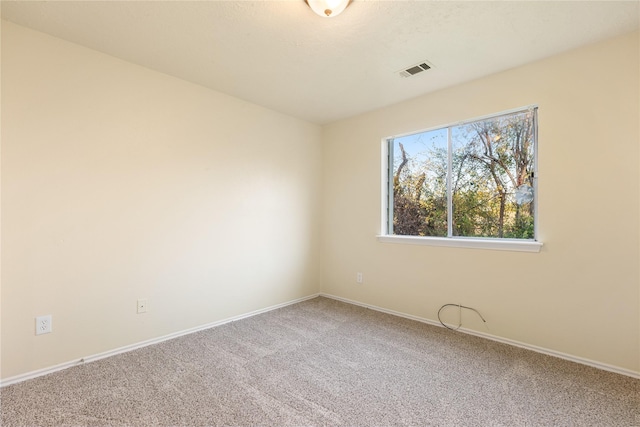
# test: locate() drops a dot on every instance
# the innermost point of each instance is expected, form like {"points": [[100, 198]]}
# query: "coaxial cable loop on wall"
{"points": [[460, 307]]}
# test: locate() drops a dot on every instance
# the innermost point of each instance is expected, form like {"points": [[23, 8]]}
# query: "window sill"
{"points": [[492, 244]]}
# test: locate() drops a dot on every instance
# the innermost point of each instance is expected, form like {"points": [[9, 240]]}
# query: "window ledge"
{"points": [[493, 244]]}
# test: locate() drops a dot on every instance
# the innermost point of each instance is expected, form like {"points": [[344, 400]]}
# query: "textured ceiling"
{"points": [[281, 55]]}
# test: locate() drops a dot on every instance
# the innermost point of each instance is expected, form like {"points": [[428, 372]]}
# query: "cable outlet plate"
{"points": [[142, 306], [43, 325]]}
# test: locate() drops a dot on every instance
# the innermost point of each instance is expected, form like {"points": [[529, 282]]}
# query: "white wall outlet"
{"points": [[43, 325], [359, 277], [142, 305]]}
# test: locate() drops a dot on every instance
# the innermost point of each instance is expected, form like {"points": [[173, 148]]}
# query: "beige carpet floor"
{"points": [[325, 363]]}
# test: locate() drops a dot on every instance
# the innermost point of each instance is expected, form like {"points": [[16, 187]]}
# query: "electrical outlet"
{"points": [[142, 305], [43, 325], [359, 277]]}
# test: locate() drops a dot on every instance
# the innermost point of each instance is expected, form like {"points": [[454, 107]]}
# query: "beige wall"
{"points": [[580, 294], [121, 183]]}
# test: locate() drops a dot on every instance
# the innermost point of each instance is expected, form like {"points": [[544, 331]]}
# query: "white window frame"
{"points": [[504, 244]]}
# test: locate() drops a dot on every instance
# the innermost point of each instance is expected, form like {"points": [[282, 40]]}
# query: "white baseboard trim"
{"points": [[549, 352], [94, 357]]}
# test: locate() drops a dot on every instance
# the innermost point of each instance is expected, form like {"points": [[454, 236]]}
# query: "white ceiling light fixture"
{"points": [[328, 8]]}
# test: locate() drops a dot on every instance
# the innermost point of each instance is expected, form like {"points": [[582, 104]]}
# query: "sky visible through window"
{"points": [[417, 145]]}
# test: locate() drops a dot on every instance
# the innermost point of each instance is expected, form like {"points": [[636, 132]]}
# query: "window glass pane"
{"points": [[489, 170], [492, 183], [419, 176]]}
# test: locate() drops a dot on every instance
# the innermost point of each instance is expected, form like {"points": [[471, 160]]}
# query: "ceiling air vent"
{"points": [[416, 69]]}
